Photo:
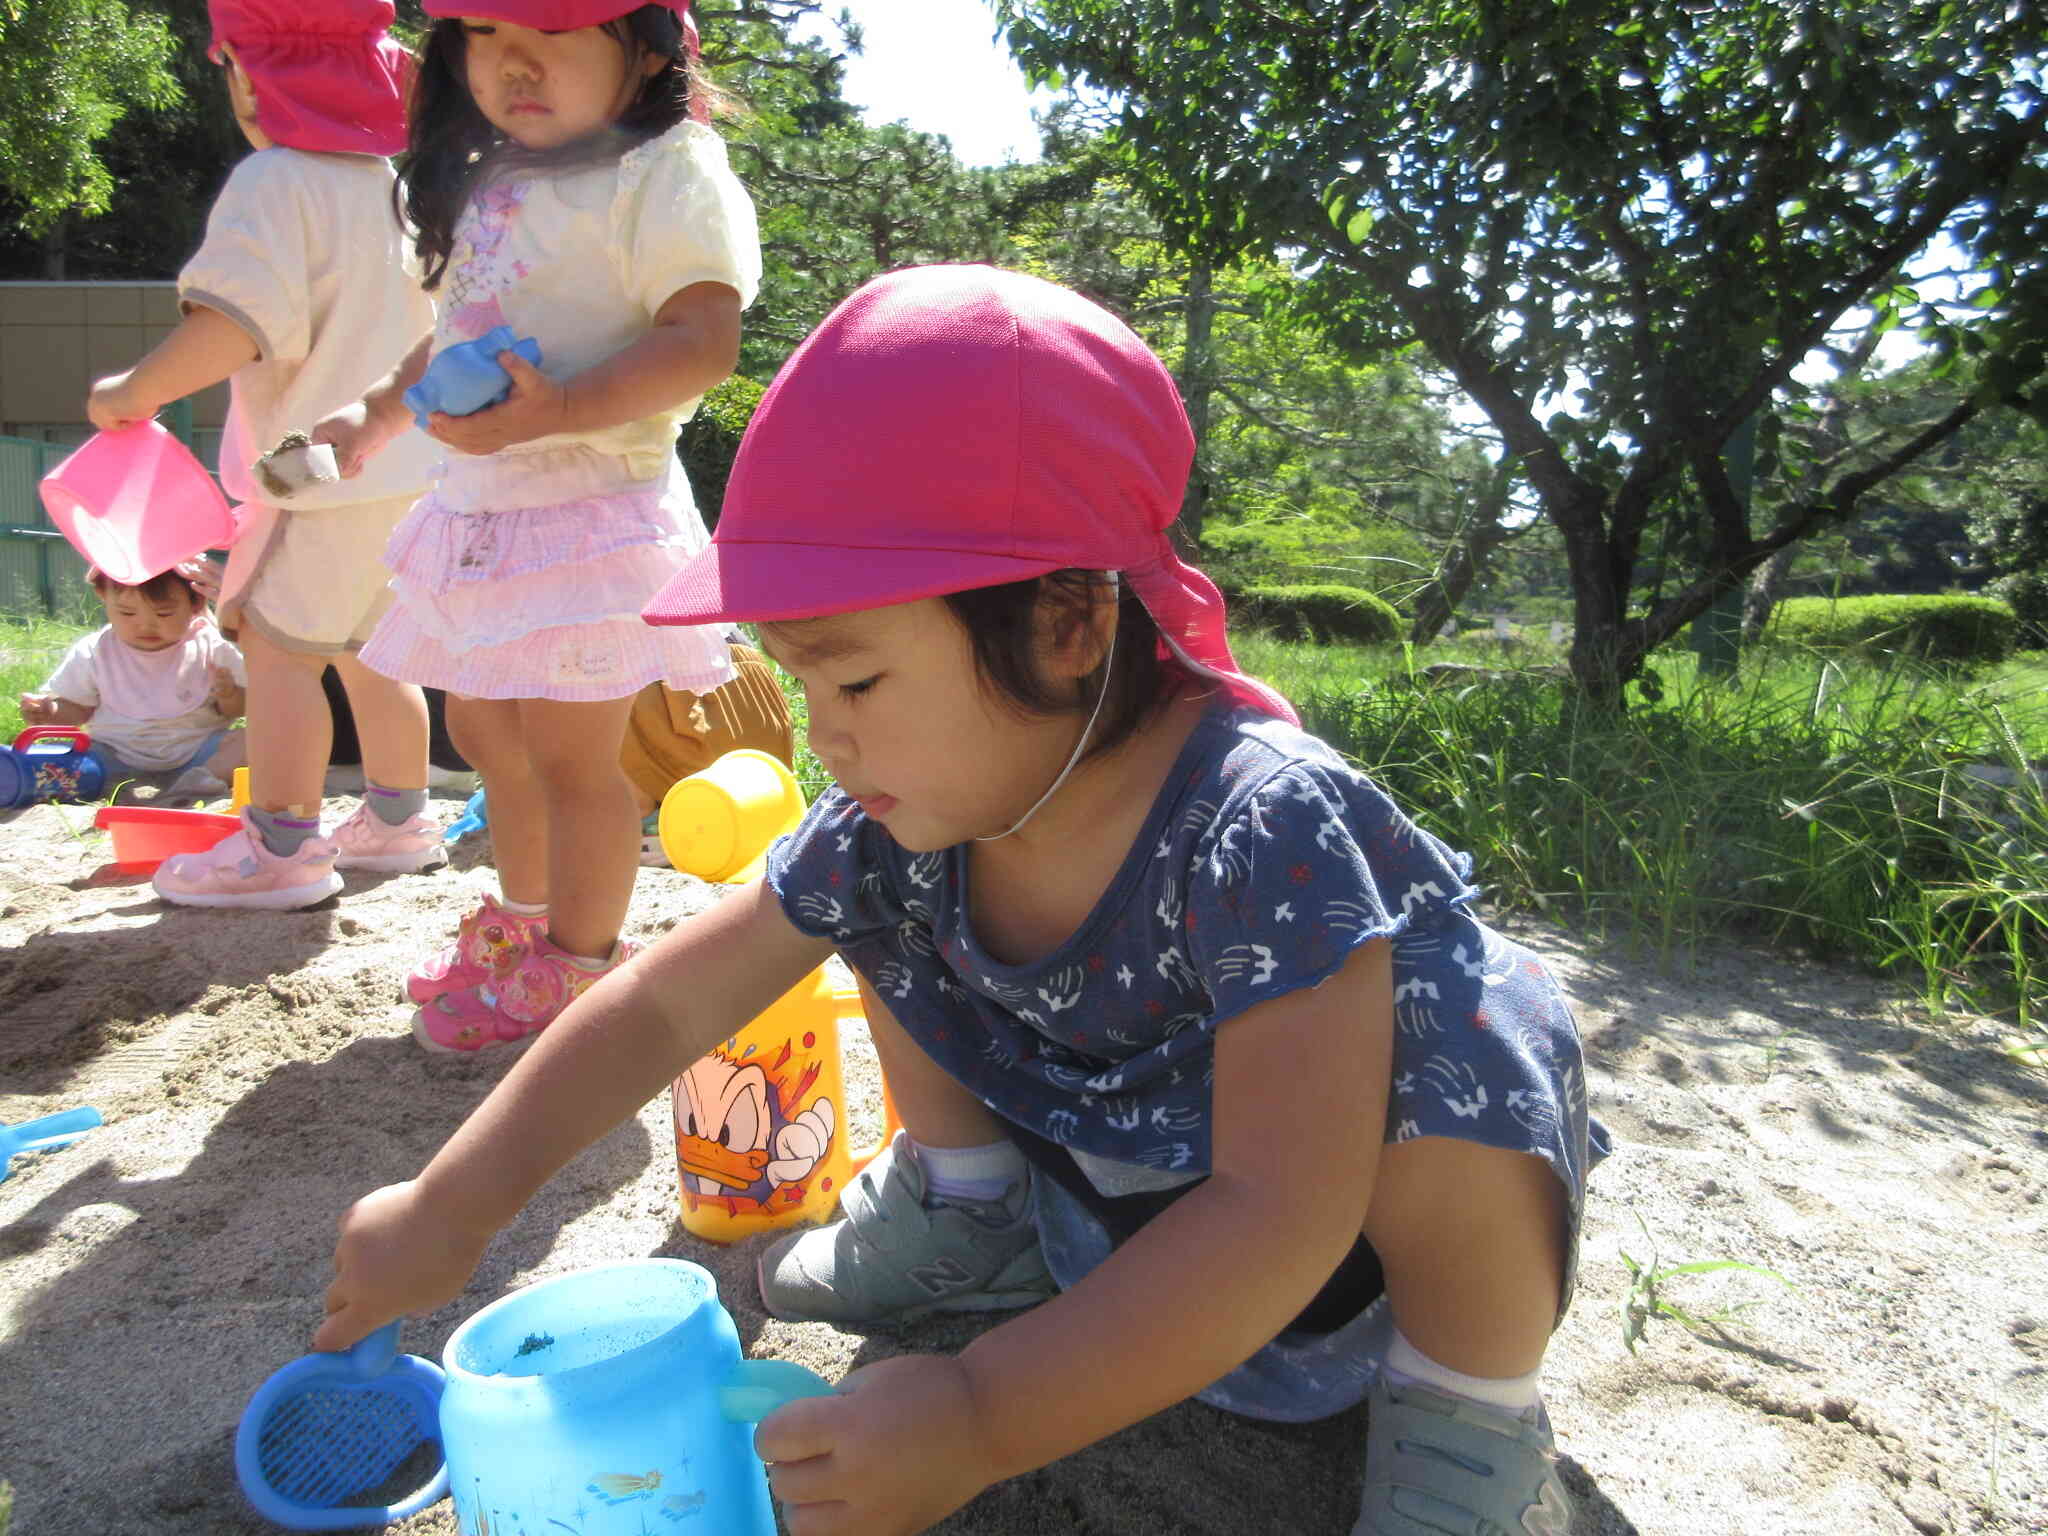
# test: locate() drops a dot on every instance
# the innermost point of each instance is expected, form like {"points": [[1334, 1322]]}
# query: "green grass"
{"points": [[1815, 803], [29, 652]]}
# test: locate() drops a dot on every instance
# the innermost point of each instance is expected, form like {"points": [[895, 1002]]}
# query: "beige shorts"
{"points": [[318, 582]]}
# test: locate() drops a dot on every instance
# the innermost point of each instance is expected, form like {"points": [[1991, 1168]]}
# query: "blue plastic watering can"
{"points": [[610, 1402]]}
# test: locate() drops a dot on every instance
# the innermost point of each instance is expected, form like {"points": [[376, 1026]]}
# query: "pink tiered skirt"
{"points": [[522, 576]]}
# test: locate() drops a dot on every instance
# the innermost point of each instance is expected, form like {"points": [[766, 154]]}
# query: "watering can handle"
{"points": [[71, 733], [757, 1388]]}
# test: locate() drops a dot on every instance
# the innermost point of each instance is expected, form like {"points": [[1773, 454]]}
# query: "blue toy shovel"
{"points": [[42, 1135], [328, 1428]]}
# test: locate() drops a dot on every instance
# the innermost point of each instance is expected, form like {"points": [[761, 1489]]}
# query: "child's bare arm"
{"points": [[1300, 1109], [693, 344], [410, 1247], [204, 349], [47, 709], [362, 427]]}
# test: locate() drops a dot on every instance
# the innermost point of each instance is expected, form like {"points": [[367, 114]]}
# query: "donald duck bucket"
{"points": [[761, 1122]]}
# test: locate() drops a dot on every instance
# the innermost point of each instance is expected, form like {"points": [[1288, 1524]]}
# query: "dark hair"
{"points": [[155, 590], [1002, 624], [451, 146]]}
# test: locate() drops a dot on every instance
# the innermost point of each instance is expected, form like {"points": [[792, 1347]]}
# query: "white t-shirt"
{"points": [[149, 707], [581, 260], [305, 253]]}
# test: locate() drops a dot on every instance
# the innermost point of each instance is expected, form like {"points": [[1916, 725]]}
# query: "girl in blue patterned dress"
{"points": [[1191, 1030]]}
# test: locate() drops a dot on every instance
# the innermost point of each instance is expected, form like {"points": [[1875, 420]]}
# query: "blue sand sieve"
{"points": [[329, 1427]]}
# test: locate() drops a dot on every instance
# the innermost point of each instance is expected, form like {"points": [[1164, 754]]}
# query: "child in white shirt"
{"points": [[159, 686], [301, 295]]}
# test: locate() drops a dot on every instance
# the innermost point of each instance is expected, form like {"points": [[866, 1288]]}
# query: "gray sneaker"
{"points": [[890, 1256], [1435, 1463]]}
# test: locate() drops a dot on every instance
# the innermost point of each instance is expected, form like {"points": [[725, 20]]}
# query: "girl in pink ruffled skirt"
{"points": [[562, 182]]}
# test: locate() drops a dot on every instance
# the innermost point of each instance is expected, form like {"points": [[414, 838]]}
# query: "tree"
{"points": [[1619, 225], [69, 71]]}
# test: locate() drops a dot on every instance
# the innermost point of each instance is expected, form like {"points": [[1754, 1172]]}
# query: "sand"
{"points": [[256, 1073]]}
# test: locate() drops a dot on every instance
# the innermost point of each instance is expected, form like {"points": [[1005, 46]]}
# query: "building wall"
{"points": [[56, 338]]}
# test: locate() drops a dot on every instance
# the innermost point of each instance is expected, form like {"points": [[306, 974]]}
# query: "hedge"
{"points": [[1324, 615], [1960, 629]]}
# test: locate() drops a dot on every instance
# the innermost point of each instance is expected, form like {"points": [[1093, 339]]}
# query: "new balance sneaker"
{"points": [[896, 1253], [1437, 1463], [368, 841], [239, 871], [523, 1001], [489, 942]]}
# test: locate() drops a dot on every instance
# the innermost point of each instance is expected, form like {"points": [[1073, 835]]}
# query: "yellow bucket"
{"points": [[761, 1124], [717, 824]]}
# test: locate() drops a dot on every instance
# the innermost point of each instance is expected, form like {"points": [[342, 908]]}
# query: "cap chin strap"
{"points": [[1087, 730]]}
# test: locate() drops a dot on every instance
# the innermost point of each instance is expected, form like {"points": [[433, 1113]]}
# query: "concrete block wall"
{"points": [[56, 338]]}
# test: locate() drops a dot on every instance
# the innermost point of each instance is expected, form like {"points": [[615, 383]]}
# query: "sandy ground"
{"points": [[256, 1073]]}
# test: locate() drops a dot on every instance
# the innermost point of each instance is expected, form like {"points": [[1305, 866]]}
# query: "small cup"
{"points": [[717, 824]]}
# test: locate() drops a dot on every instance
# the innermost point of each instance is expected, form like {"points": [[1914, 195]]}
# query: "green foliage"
{"points": [[1621, 225], [1321, 615], [710, 440], [1956, 629], [1648, 1280], [1816, 803], [2026, 594], [69, 71]]}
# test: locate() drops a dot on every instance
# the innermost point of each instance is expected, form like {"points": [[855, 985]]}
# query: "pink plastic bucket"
{"points": [[135, 503]]}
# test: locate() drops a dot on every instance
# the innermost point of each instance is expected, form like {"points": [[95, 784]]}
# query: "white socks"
{"points": [[971, 1173], [1408, 1366], [523, 908]]}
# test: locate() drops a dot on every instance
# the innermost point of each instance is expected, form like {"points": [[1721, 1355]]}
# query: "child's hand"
{"points": [[45, 709], [204, 572], [536, 407], [395, 1256], [897, 1450], [356, 433], [226, 695], [115, 403]]}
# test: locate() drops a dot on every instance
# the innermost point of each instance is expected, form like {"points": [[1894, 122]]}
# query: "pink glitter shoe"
{"points": [[490, 942], [239, 871], [525, 1001], [368, 841]]}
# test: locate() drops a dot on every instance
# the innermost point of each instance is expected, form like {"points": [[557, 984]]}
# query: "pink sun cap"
{"points": [[549, 15], [328, 75], [954, 427]]}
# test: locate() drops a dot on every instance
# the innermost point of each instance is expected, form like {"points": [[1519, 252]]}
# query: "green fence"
{"points": [[40, 574]]}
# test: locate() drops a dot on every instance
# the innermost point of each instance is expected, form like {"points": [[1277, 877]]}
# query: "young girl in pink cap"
{"points": [[1191, 1030], [561, 184], [300, 296]]}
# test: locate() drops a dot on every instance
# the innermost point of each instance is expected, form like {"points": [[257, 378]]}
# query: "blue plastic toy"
{"points": [[468, 377], [329, 1427], [45, 1134], [50, 762], [609, 1402], [474, 818]]}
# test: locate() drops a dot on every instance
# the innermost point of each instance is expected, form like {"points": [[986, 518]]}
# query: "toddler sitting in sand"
{"points": [[158, 685]]}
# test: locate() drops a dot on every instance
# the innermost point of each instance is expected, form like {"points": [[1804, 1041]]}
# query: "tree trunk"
{"points": [[53, 249], [1466, 560], [1762, 594]]}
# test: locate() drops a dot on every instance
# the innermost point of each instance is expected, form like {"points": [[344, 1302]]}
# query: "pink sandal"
{"points": [[490, 942], [521, 1002]]}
